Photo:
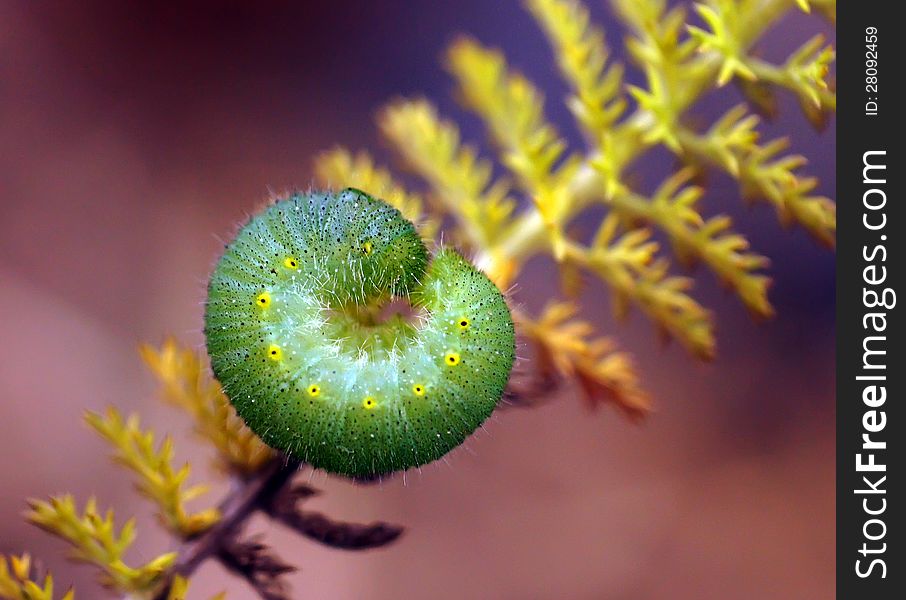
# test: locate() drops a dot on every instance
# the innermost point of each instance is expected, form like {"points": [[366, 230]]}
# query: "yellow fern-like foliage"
{"points": [[157, 479], [462, 180], [582, 55], [95, 540], [16, 582], [94, 537], [565, 344], [682, 54], [187, 383], [513, 109]]}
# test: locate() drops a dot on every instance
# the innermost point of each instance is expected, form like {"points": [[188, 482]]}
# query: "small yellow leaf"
{"points": [[161, 563], [178, 588], [21, 566], [33, 590]]}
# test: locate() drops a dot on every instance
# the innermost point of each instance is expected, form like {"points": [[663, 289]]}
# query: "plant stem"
{"points": [[248, 497], [527, 235]]}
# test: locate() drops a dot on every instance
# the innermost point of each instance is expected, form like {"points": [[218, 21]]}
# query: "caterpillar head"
{"points": [[369, 248]]}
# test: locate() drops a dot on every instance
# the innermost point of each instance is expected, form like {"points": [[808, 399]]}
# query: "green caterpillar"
{"points": [[295, 336]]}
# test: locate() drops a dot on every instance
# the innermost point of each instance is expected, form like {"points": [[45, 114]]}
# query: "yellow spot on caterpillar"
{"points": [[274, 352], [368, 248], [463, 323], [452, 359], [369, 403], [263, 300], [418, 389], [314, 390], [290, 263]]}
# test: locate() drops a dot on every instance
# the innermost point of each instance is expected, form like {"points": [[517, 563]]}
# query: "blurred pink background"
{"points": [[133, 134]]}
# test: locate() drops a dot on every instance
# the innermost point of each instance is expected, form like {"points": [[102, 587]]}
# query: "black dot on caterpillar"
{"points": [[295, 339]]}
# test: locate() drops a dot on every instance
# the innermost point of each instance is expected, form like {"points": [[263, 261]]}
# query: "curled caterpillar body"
{"points": [[296, 339]]}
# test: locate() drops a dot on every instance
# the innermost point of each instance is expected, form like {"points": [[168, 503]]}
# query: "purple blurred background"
{"points": [[133, 134]]}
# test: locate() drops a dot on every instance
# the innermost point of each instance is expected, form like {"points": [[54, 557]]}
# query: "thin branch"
{"points": [[254, 562], [285, 509], [239, 505]]}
